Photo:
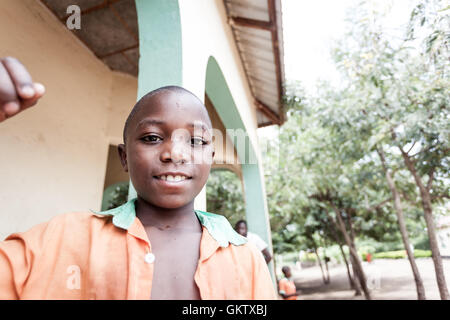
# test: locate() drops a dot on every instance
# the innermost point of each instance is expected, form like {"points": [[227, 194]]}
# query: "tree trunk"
{"points": [[402, 226], [350, 227], [351, 281], [350, 278], [428, 212], [357, 263], [320, 263], [355, 276]]}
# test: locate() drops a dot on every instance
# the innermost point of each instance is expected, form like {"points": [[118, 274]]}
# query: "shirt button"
{"points": [[149, 257]]}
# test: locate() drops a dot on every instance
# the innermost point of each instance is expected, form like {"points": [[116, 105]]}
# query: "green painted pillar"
{"points": [[160, 48], [255, 206], [255, 199]]}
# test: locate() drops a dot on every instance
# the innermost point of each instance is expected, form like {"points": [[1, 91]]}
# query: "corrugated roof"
{"points": [[257, 29], [110, 30]]}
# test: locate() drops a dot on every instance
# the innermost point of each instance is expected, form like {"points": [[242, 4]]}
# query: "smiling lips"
{"points": [[173, 177]]}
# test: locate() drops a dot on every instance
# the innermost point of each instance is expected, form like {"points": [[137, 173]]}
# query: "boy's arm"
{"points": [[267, 255], [17, 90], [14, 268], [19, 252]]}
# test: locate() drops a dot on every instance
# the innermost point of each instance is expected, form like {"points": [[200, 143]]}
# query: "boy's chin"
{"points": [[169, 203]]}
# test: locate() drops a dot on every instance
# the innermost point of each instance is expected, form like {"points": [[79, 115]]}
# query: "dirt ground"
{"points": [[388, 280]]}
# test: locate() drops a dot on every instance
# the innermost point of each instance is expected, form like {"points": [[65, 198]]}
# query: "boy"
{"points": [[153, 247], [241, 228], [286, 285]]}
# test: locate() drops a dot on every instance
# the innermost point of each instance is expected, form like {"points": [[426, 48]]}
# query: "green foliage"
{"points": [[401, 254], [309, 257], [392, 95], [224, 195], [115, 195]]}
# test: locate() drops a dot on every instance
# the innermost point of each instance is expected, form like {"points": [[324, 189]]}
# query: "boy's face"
{"points": [[241, 228], [167, 153], [287, 272]]}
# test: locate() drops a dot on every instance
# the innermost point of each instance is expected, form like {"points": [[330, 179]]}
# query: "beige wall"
{"points": [[53, 156], [122, 100], [114, 169]]}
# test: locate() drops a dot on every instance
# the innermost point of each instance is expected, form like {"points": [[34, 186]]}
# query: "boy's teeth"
{"points": [[173, 178]]}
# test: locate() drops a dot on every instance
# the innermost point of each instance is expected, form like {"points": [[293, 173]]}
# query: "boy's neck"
{"points": [[167, 218]]}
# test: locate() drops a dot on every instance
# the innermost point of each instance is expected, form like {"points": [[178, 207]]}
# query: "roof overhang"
{"points": [[110, 31], [257, 30]]}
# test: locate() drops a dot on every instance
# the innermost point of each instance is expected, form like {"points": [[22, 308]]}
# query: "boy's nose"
{"points": [[178, 150], [179, 153]]}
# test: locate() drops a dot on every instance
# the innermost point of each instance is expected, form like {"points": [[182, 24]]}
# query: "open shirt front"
{"points": [[107, 255]]}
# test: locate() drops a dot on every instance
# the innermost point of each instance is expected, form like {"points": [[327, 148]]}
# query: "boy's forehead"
{"points": [[169, 102]]}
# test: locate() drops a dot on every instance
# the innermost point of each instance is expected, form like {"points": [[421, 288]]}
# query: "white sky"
{"points": [[309, 30], [310, 26]]}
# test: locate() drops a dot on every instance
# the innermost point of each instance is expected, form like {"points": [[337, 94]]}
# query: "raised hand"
{"points": [[17, 90]]}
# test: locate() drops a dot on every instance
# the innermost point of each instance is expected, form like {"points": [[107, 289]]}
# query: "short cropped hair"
{"points": [[285, 269], [139, 104], [239, 222]]}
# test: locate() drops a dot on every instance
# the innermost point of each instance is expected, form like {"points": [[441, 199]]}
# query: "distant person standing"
{"points": [[286, 286], [241, 228]]}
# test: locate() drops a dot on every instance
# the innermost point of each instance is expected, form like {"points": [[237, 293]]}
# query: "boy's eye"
{"points": [[198, 141], [151, 138]]}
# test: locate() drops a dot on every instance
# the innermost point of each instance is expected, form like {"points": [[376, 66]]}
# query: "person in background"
{"points": [[241, 228], [286, 286]]}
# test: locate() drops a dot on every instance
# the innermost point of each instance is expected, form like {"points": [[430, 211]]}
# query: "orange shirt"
{"points": [[107, 255], [287, 287]]}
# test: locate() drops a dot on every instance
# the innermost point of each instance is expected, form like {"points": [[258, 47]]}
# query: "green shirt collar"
{"points": [[218, 226]]}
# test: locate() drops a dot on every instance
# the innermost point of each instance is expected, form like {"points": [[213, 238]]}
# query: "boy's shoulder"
{"points": [[220, 229], [65, 227]]}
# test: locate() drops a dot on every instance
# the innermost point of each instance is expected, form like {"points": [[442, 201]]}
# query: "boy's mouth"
{"points": [[173, 177]]}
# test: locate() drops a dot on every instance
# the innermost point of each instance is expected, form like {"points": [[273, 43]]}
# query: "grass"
{"points": [[401, 254]]}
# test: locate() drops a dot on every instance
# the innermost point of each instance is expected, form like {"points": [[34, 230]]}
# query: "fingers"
{"points": [[39, 91], [20, 77], [17, 90], [9, 101]]}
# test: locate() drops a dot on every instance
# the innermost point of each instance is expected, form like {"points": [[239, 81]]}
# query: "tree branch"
{"points": [[414, 143], [419, 152], [375, 207], [440, 196], [430, 179]]}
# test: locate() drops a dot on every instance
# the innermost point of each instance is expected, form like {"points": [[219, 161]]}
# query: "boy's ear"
{"points": [[123, 156]]}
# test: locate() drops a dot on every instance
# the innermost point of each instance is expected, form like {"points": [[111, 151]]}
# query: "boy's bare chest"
{"points": [[176, 256]]}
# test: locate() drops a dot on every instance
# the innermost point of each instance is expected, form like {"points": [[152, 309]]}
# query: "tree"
{"points": [[224, 195], [404, 103], [360, 155]]}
